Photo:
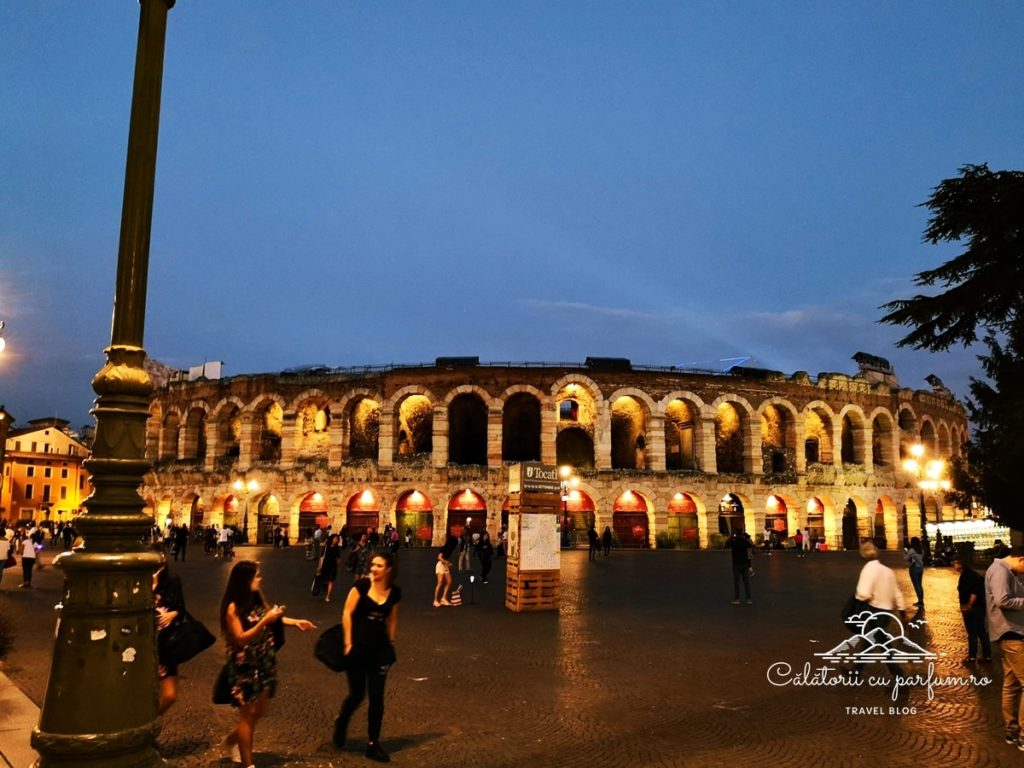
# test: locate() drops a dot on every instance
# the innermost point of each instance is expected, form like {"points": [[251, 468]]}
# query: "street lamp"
{"points": [[567, 483], [928, 475], [250, 488]]}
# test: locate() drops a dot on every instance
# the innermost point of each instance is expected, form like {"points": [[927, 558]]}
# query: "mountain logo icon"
{"points": [[875, 643]]}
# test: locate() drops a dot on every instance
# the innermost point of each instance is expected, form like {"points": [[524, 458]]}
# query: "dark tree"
{"points": [[983, 295]]}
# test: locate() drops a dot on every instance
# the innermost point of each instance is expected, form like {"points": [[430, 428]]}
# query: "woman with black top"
{"points": [[170, 604], [370, 621], [484, 553], [329, 564]]}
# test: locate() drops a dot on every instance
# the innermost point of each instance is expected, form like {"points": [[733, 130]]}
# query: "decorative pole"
{"points": [[101, 697]]}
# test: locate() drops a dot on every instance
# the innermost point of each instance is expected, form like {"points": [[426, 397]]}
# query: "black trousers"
{"points": [[365, 677]]}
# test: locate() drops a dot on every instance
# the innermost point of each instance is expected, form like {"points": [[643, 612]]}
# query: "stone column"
{"points": [[386, 439], [290, 436], [337, 439], [548, 433], [707, 456], [494, 437], [866, 436], [752, 455], [213, 446], [603, 436], [440, 426], [837, 444], [800, 455], [656, 443], [249, 442]]}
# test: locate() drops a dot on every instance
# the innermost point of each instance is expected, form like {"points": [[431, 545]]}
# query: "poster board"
{"points": [[539, 548]]}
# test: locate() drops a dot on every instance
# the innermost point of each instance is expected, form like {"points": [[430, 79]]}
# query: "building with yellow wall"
{"points": [[43, 476]]}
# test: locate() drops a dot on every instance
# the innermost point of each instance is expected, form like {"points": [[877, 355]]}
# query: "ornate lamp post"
{"points": [[567, 482], [928, 476], [101, 697]]}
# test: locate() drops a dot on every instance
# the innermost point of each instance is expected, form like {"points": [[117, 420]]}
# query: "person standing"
{"points": [[329, 565], [606, 540], [5, 551], [443, 572], [593, 539], [370, 623], [798, 542], [485, 554], [741, 550], [181, 542], [970, 589], [1004, 607], [246, 619], [170, 604], [914, 555], [465, 562], [28, 560], [877, 586]]}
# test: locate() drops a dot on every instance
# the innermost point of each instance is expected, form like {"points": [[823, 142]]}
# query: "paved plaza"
{"points": [[646, 664]]}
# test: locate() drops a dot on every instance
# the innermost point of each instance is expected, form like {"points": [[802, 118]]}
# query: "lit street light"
{"points": [[928, 475], [250, 487], [567, 483]]}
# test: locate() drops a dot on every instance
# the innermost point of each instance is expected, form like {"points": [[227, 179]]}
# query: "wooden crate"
{"points": [[532, 590]]}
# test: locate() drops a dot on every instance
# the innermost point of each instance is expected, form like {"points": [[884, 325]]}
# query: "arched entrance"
{"points": [[415, 513], [815, 521], [466, 509], [730, 515], [362, 513], [879, 526], [776, 517], [850, 537], [268, 513], [312, 512], [629, 520], [578, 514], [682, 521]]}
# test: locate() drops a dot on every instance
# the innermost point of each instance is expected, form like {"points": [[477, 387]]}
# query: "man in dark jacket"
{"points": [[971, 590]]}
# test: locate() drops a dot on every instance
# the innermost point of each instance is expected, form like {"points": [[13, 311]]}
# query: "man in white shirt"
{"points": [[877, 587]]}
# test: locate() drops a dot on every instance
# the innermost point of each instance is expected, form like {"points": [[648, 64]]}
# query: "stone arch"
{"points": [[906, 419], [227, 419], [857, 521], [632, 515], [929, 436], [466, 507], [945, 445], [170, 434], [488, 400], [413, 421], [735, 512], [577, 401], [154, 422], [414, 512], [360, 414], [883, 438], [521, 417], [574, 447], [467, 426], [853, 435], [194, 438], [778, 418], [732, 434], [313, 417], [684, 429], [821, 519], [686, 518], [785, 510], [887, 534], [819, 421], [631, 412], [268, 421]]}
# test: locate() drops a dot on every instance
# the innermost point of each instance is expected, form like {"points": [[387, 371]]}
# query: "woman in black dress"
{"points": [[370, 621], [329, 565], [170, 604]]}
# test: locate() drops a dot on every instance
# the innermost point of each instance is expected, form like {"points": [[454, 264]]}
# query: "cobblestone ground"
{"points": [[646, 664]]}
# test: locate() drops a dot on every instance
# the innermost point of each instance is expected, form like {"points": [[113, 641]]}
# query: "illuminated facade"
{"points": [[664, 456], [43, 476]]}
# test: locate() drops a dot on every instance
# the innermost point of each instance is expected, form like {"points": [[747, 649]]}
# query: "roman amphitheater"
{"points": [[665, 456]]}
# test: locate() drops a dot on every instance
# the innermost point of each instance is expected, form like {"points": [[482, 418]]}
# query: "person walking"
{"points": [[742, 550], [592, 539], [465, 560], [1004, 607], [5, 551], [443, 571], [485, 554], [877, 586], [170, 605], [970, 590], [246, 619], [807, 540], [914, 555], [606, 540], [28, 560], [370, 624], [329, 565]]}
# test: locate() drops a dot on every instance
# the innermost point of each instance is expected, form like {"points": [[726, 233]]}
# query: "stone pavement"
{"points": [[646, 664]]}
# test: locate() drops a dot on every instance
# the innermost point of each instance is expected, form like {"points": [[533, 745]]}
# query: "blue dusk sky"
{"points": [[349, 183]]}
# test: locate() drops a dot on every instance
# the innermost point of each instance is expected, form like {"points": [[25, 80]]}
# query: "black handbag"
{"points": [[330, 648], [221, 688], [852, 607], [317, 588], [277, 628], [185, 639]]}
